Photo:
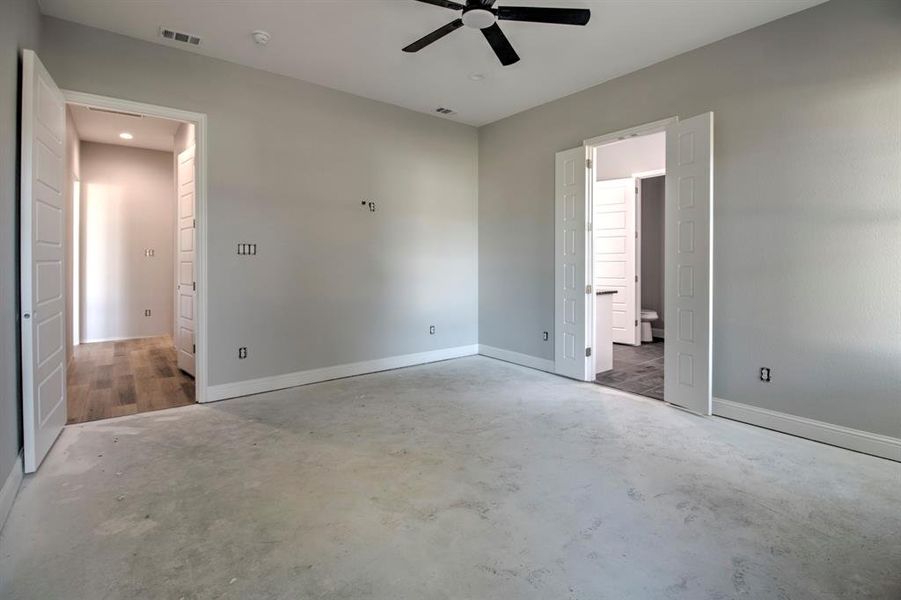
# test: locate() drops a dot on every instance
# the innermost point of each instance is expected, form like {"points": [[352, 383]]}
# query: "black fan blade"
{"points": [[501, 45], [434, 36], [534, 14], [444, 4]]}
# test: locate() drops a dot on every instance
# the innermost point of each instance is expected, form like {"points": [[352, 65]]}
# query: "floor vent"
{"points": [[178, 36], [444, 111]]}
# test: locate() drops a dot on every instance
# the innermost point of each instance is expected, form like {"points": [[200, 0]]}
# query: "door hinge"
{"points": [[636, 279], [588, 289], [587, 163], [194, 286], [587, 352], [193, 348], [194, 223], [636, 235], [636, 323]]}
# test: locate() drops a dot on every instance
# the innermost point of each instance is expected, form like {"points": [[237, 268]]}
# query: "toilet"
{"points": [[648, 316]]}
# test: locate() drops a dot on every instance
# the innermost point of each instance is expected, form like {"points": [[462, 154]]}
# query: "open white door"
{"points": [[572, 311], [42, 261], [615, 264], [689, 268], [186, 287]]}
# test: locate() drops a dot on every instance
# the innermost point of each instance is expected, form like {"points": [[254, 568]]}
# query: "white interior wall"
{"points": [[128, 205], [634, 155]]}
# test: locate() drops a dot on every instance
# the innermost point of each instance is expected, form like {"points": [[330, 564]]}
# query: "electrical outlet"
{"points": [[146, 312], [242, 352], [545, 335], [247, 249], [431, 330], [765, 374], [149, 252]]}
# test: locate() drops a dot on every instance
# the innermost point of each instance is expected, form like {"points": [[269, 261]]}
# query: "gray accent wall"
{"points": [[807, 217], [20, 28], [289, 165], [653, 256]]}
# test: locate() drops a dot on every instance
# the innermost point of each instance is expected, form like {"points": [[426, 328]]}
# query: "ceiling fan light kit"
{"points": [[481, 14]]}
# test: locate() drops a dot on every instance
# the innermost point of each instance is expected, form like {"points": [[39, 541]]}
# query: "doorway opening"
{"points": [[131, 294], [628, 201], [599, 269]]}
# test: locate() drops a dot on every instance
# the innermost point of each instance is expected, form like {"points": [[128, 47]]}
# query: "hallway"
{"points": [[113, 379]]}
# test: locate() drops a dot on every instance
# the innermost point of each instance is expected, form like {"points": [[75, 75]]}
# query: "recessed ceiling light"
{"points": [[477, 77], [126, 136]]}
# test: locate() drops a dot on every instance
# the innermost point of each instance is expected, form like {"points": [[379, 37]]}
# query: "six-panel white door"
{"points": [[615, 264], [689, 269], [186, 285], [43, 291], [573, 306]]}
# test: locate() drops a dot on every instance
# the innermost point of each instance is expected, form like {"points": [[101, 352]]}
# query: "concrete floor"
{"points": [[467, 479]]}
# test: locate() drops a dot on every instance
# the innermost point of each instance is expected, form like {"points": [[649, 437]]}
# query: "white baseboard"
{"points": [[288, 380], [121, 339], [657, 333], [526, 360], [10, 489], [835, 435]]}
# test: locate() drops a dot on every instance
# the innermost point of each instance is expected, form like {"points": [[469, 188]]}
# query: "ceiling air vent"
{"points": [[178, 36], [115, 112], [444, 111]]}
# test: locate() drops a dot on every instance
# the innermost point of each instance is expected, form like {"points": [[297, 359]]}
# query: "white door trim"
{"points": [[200, 135]]}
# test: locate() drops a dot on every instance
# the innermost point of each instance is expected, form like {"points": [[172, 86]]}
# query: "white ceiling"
{"points": [[104, 127], [355, 45]]}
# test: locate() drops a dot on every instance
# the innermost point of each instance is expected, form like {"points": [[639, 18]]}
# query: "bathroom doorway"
{"points": [[628, 181], [597, 220]]}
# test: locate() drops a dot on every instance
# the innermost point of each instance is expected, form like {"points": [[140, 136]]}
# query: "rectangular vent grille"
{"points": [[178, 36], [444, 111], [116, 112]]}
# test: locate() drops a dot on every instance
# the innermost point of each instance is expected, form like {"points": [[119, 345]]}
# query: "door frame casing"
{"points": [[199, 120]]}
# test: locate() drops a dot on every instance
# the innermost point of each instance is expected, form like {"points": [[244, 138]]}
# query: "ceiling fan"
{"points": [[480, 14]]}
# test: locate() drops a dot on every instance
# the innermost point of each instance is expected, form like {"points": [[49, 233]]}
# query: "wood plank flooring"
{"points": [[112, 379]]}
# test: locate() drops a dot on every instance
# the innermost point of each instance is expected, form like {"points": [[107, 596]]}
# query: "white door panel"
{"points": [[688, 279], [615, 263], [573, 306], [186, 286], [42, 261]]}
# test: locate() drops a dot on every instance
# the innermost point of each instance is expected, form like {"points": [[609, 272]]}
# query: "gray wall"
{"points": [[128, 205], [653, 257], [20, 27], [807, 250], [289, 164], [73, 172]]}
